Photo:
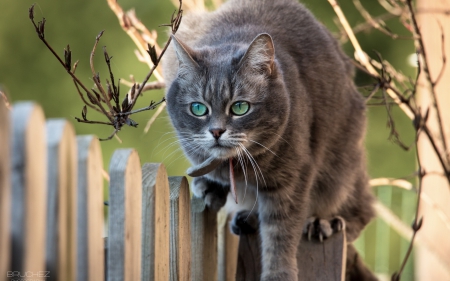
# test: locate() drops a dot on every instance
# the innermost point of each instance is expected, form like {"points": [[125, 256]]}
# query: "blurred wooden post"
{"points": [[125, 212], [61, 200], [155, 222], [431, 18], [203, 241], [90, 221], [227, 244], [231, 253], [180, 229], [29, 180], [5, 189], [315, 261]]}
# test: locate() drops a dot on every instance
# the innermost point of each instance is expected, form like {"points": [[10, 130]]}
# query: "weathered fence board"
{"points": [[323, 261], [227, 244], [29, 188], [155, 221], [316, 261], [125, 211], [90, 221], [5, 189], [203, 242], [249, 258], [61, 200], [231, 246], [180, 229]]}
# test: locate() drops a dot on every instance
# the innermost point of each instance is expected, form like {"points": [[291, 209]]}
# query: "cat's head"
{"points": [[227, 99]]}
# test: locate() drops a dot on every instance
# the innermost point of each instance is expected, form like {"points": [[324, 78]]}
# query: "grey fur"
{"points": [[304, 129]]}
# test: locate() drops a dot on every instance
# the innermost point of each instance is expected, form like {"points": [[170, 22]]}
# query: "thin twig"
{"points": [[127, 22], [96, 76], [376, 23], [417, 224], [155, 115], [444, 57]]}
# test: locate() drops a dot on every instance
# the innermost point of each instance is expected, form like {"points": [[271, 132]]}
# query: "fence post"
{"points": [[249, 258], [125, 211], [203, 241], [180, 229], [228, 244], [90, 220], [29, 188], [155, 223], [5, 189], [323, 261], [315, 260], [61, 200]]}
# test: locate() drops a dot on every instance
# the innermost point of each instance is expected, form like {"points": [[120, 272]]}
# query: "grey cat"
{"points": [[263, 90]]}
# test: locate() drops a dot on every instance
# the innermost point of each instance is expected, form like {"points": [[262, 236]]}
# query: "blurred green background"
{"points": [[29, 72]]}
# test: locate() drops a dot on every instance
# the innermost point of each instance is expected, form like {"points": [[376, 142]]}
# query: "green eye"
{"points": [[240, 108], [198, 109]]}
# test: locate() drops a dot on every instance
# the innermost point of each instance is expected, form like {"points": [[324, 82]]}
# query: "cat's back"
{"points": [[299, 39], [239, 21]]}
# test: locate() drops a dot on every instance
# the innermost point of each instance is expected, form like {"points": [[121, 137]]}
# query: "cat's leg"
{"points": [[281, 217], [357, 215], [214, 194], [321, 229]]}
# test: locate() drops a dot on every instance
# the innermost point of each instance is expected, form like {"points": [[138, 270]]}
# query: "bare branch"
{"points": [[99, 98]]}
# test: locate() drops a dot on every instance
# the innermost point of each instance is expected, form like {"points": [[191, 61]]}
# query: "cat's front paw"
{"points": [[214, 194], [321, 229], [244, 222]]}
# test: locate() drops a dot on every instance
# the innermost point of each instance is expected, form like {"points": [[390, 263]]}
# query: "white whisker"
{"points": [[264, 147], [244, 168], [257, 170]]}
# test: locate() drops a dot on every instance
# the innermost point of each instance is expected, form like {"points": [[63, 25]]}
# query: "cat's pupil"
{"points": [[240, 108], [198, 109]]}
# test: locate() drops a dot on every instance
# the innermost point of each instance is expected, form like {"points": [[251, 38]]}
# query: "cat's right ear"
{"points": [[184, 54], [260, 55]]}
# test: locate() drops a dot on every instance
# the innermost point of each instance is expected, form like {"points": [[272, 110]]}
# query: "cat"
{"points": [[264, 89]]}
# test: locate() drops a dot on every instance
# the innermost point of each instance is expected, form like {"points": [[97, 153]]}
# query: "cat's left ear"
{"points": [[184, 54], [260, 55]]}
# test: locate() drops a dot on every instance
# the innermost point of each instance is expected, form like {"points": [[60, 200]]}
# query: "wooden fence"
{"points": [[52, 220]]}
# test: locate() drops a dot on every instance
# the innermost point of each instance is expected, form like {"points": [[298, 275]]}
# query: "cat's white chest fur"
{"points": [[246, 196]]}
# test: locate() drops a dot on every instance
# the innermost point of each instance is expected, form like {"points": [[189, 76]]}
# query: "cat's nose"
{"points": [[217, 132]]}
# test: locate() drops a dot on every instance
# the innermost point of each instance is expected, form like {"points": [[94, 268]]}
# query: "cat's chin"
{"points": [[223, 153]]}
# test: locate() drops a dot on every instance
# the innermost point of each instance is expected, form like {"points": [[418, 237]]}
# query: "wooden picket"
{"points": [[125, 209], [61, 200], [29, 192], [180, 234], [155, 221], [52, 214], [90, 220], [5, 189], [203, 242]]}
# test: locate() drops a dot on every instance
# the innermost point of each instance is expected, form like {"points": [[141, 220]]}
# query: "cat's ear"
{"points": [[260, 55], [184, 54]]}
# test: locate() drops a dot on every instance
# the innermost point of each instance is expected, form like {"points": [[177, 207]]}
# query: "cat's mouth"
{"points": [[209, 165]]}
